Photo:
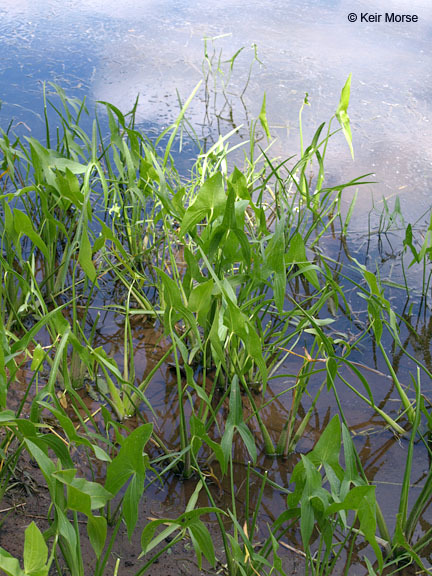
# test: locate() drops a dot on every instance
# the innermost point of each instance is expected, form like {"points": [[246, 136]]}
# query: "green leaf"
{"points": [[7, 416], [130, 463], [372, 281], [374, 311], [97, 493], [175, 308], [100, 453], [38, 358], [351, 473], [35, 551], [362, 499], [249, 441], [78, 501], [148, 538], [45, 464], [69, 187], [65, 164], [342, 113], [327, 449], [23, 225], [83, 495], [312, 483], [307, 521], [226, 443], [240, 325], [202, 542], [149, 541], [198, 431], [408, 241], [274, 254], [236, 551], [297, 255], [217, 337], [263, 118], [28, 430], [70, 431], [129, 460], [59, 448], [21, 344], [131, 499], [3, 378], [276, 559], [10, 565], [235, 421], [235, 403], [237, 181], [209, 203], [200, 301], [399, 540], [85, 256], [97, 532], [331, 371], [69, 540]]}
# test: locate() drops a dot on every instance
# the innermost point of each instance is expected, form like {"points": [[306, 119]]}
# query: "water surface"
{"points": [[114, 51]]}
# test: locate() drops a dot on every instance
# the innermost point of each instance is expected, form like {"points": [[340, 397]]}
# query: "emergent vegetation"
{"points": [[229, 269]]}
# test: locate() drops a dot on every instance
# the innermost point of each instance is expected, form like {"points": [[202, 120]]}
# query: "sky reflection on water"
{"points": [[112, 51]]}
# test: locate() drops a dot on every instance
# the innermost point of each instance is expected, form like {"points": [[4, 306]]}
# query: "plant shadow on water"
{"points": [[201, 368]]}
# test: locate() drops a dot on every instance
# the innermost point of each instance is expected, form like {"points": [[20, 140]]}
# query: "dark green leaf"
{"points": [[130, 459], [97, 532], [202, 542]]}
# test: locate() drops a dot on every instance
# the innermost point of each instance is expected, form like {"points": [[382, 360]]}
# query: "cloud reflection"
{"points": [[154, 48]]}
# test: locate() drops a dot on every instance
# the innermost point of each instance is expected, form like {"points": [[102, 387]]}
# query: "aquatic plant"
{"points": [[229, 265]]}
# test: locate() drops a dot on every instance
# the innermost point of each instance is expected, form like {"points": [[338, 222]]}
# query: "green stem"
{"points": [[396, 427], [404, 398]]}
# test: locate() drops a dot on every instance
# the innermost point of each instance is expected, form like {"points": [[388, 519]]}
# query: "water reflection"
{"points": [[113, 51]]}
